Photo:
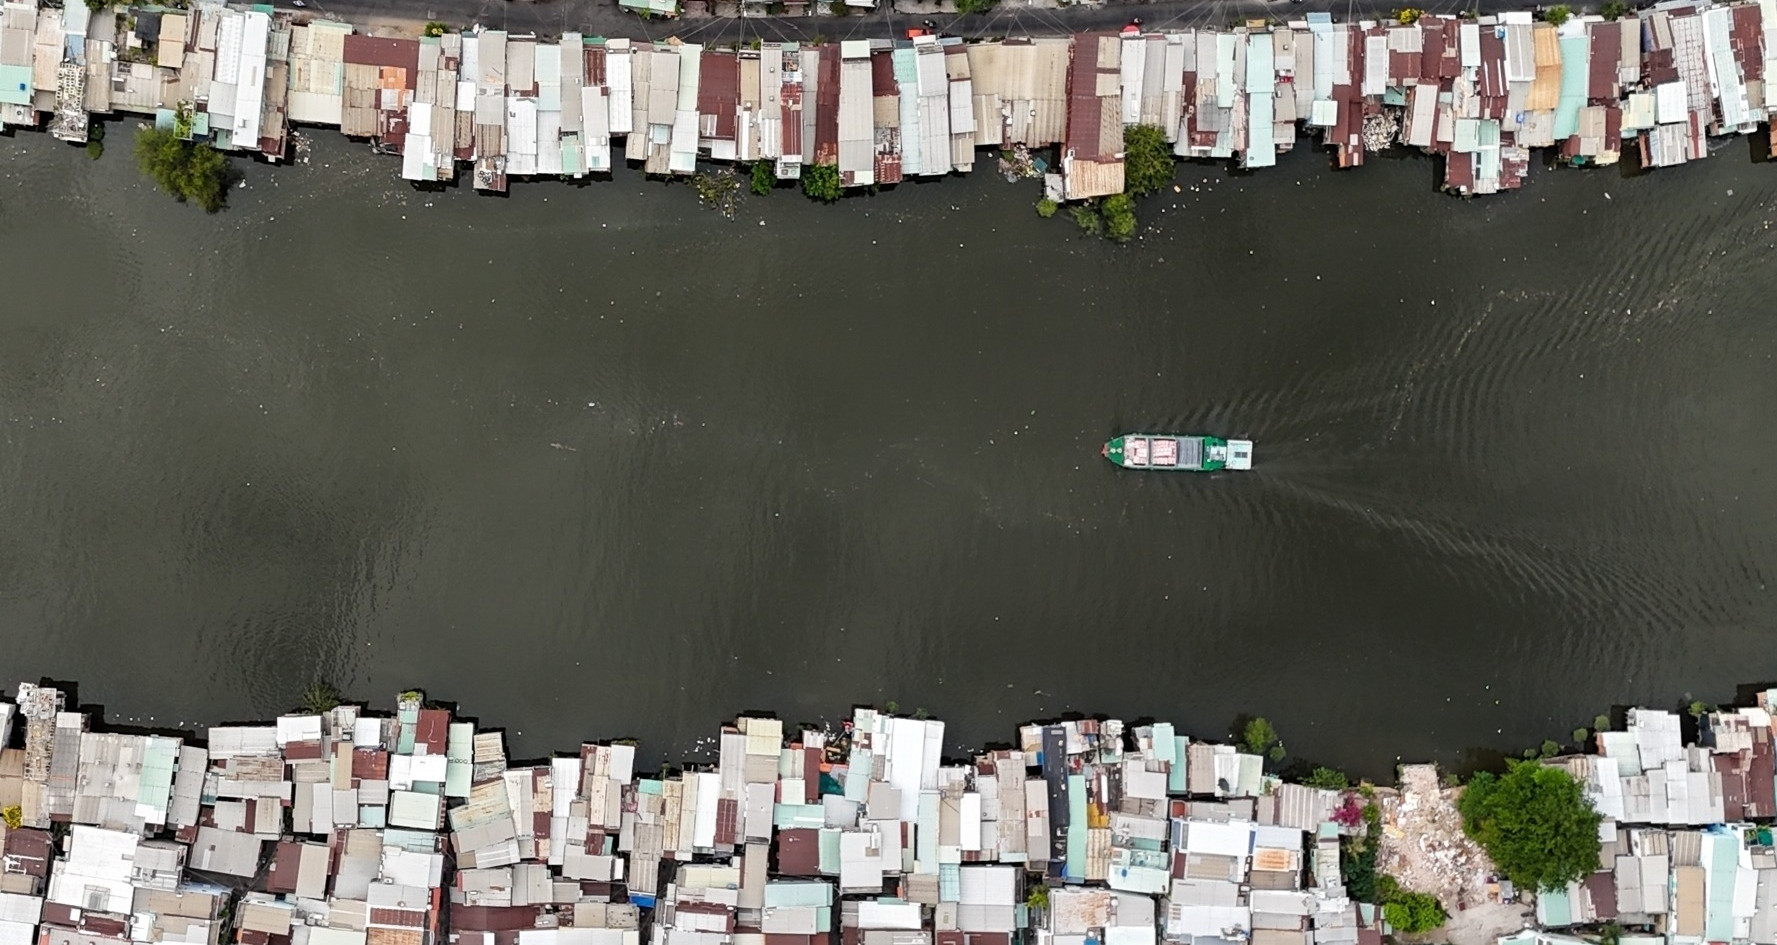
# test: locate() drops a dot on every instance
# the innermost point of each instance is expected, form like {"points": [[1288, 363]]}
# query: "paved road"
{"points": [[602, 17]]}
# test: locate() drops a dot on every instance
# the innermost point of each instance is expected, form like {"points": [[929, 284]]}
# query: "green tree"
{"points": [[319, 698], [1550, 748], [1258, 737], [95, 141], [1357, 864], [975, 6], [1613, 10], [764, 177], [1535, 822], [1087, 219], [821, 182], [1046, 208], [1558, 14], [1118, 211], [190, 172], [1331, 779], [1147, 160], [1414, 912], [1601, 723], [1581, 734], [435, 28]]}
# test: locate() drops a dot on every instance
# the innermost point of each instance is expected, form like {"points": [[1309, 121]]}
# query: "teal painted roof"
{"points": [[1575, 57], [830, 850], [409, 717], [1165, 748], [926, 837], [459, 774], [798, 894], [158, 762], [1175, 778], [857, 777], [667, 7], [950, 882], [1723, 860], [787, 816], [413, 841], [1076, 827], [15, 85], [1554, 908]]}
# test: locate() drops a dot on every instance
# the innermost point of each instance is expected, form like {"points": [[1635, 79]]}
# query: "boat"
{"points": [[1178, 453]]}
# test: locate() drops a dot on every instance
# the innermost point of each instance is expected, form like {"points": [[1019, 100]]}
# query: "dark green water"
{"points": [[594, 462]]}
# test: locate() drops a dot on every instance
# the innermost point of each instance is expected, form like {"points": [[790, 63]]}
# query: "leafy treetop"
{"points": [[1535, 822], [1414, 912], [1147, 160], [194, 172]]}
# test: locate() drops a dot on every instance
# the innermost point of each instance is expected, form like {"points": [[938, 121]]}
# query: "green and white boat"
{"points": [[1179, 453]]}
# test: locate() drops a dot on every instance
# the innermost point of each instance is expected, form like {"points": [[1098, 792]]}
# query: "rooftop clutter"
{"points": [[1478, 93], [413, 828], [351, 827]]}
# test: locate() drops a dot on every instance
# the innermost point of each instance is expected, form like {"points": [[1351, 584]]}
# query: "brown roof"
{"points": [[370, 764], [791, 98], [379, 51], [595, 65], [1459, 171], [492, 918], [1085, 107], [1606, 49], [285, 864], [799, 852], [727, 821], [1603, 887], [433, 730], [718, 94], [882, 78], [402, 918], [811, 757], [1744, 37], [1760, 802], [28, 851], [826, 107]]}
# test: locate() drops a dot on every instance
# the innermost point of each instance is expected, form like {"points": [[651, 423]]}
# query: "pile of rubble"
{"points": [[1381, 130], [1424, 847]]}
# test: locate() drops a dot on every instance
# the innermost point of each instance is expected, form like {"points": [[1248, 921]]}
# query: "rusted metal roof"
{"points": [[1601, 74], [718, 94], [826, 113]]}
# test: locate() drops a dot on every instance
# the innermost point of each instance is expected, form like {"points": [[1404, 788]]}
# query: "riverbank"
{"points": [[1479, 93], [337, 825]]}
